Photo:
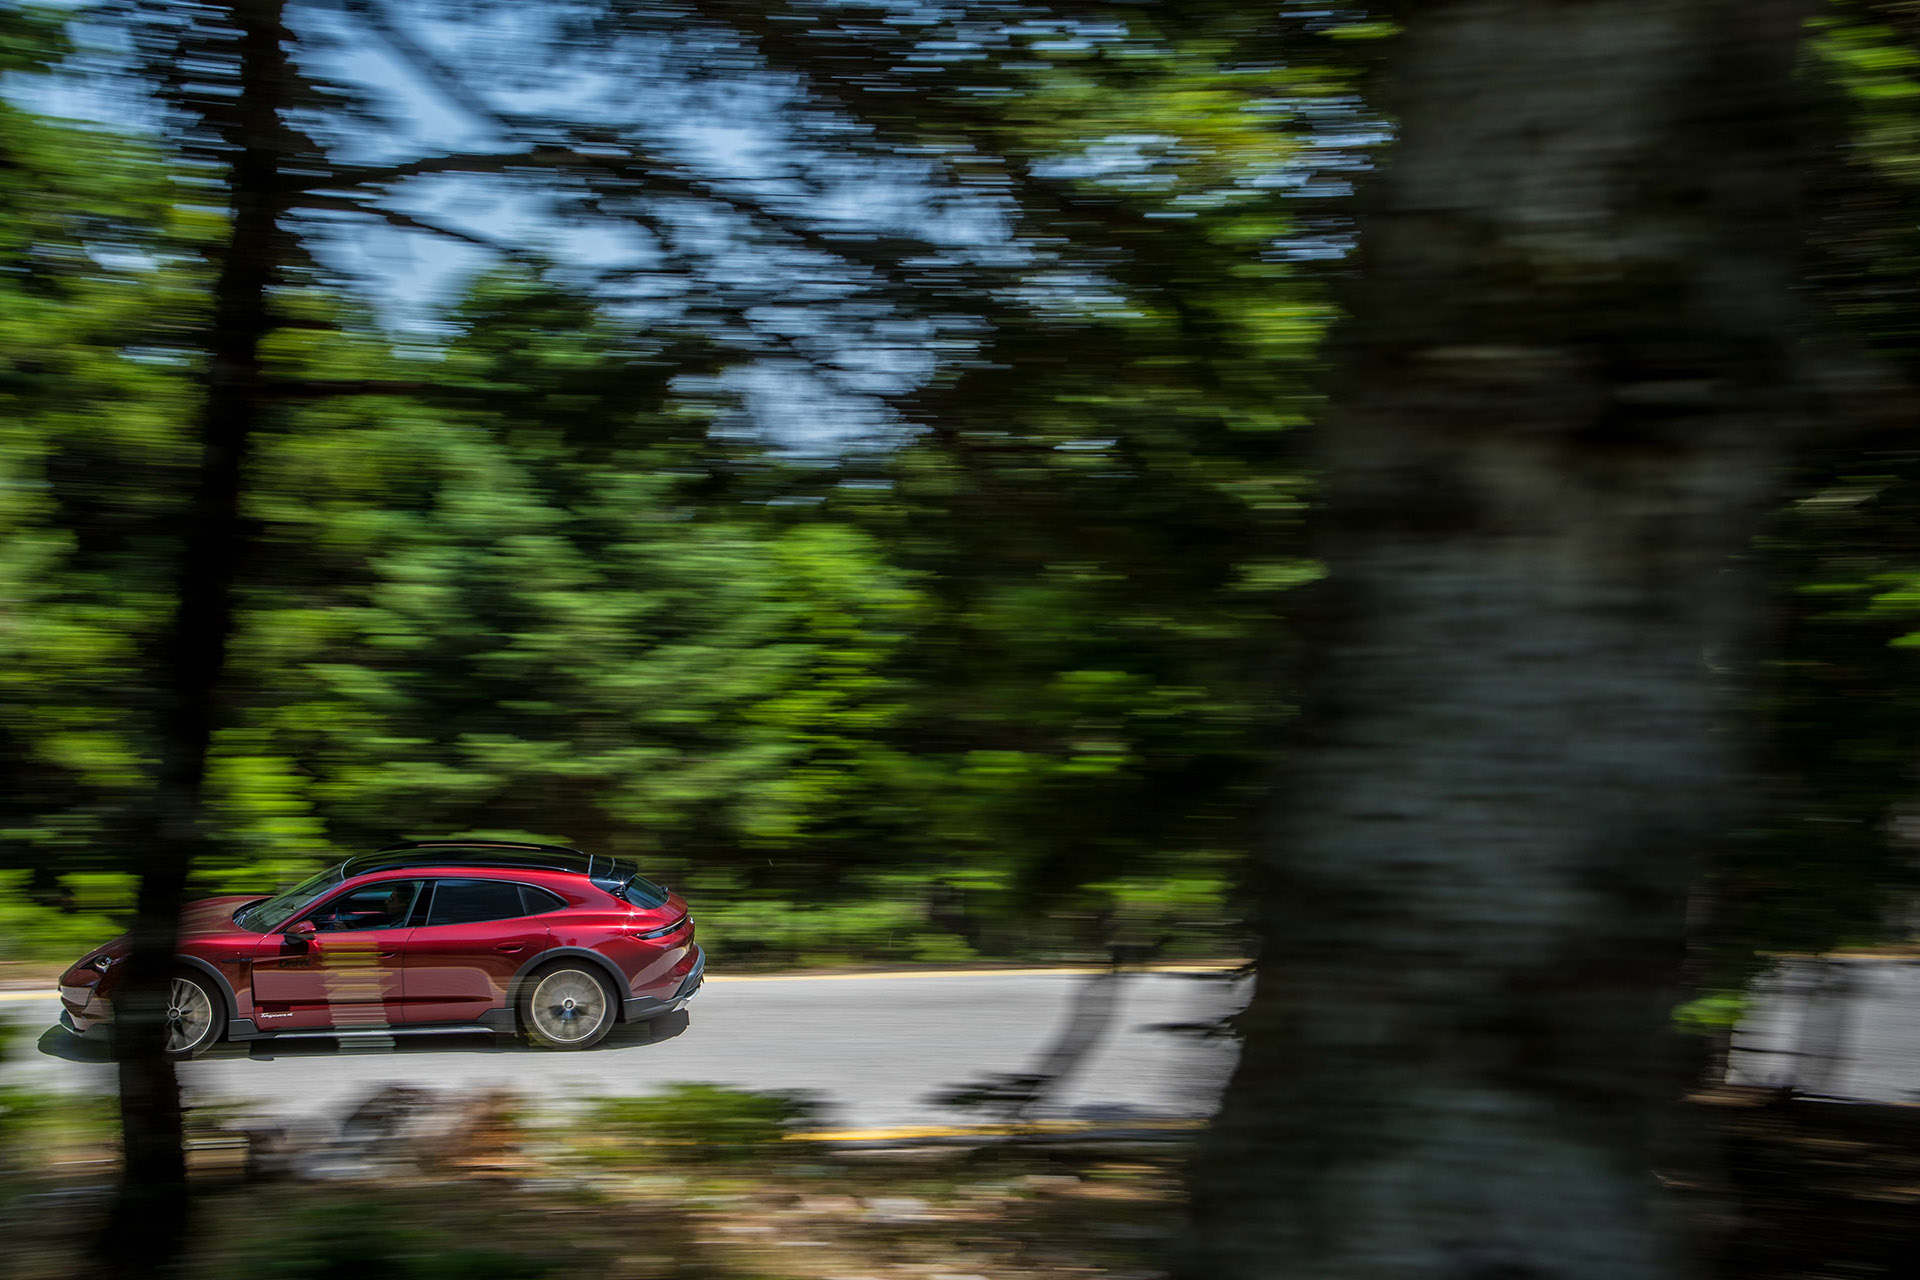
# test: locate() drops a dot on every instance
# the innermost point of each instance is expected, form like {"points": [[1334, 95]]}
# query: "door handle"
{"points": [[387, 955], [511, 947]]}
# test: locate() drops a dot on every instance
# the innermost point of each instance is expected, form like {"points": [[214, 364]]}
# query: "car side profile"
{"points": [[549, 942]]}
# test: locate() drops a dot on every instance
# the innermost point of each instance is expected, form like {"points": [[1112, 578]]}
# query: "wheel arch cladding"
{"points": [[221, 987]]}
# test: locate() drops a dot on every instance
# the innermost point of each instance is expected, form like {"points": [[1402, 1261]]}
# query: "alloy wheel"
{"points": [[189, 1015], [569, 1006]]}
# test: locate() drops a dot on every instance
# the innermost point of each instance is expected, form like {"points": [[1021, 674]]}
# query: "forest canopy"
{"points": [[923, 556]]}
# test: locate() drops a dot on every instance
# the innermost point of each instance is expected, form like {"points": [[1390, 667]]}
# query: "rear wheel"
{"points": [[567, 1006], [193, 1022]]}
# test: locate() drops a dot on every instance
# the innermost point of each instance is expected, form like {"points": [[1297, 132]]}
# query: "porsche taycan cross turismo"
{"points": [[550, 942]]}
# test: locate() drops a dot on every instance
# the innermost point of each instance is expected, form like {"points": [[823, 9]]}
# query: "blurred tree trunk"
{"points": [[1565, 385], [146, 1227]]}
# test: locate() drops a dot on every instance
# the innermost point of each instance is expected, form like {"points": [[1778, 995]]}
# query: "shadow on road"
{"points": [[1092, 1014], [1014, 1095], [58, 1043]]}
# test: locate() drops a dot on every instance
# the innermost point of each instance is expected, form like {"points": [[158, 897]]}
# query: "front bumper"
{"points": [[86, 1028], [81, 1011], [640, 1008]]}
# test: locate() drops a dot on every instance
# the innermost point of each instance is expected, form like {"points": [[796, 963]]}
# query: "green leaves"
{"points": [[520, 582]]}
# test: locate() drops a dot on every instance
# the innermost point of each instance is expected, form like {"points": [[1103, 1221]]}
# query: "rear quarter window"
{"points": [[534, 901], [474, 901]]}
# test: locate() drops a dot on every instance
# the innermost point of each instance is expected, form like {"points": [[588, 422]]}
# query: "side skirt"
{"points": [[243, 1030]]}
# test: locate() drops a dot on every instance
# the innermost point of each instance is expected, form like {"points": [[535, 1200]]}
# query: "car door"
{"points": [[477, 934], [349, 974]]}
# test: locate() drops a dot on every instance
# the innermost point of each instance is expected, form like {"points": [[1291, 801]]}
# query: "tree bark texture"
{"points": [[1566, 383], [145, 1228]]}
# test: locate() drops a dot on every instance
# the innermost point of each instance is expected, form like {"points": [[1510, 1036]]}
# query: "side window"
{"points": [[385, 905], [472, 901], [533, 901]]}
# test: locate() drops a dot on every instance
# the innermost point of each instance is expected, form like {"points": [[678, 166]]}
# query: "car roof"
{"points": [[492, 855]]}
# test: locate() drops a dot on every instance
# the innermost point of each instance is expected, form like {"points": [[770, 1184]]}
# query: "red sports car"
{"points": [[432, 935]]}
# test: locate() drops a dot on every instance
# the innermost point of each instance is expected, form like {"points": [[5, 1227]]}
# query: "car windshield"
{"points": [[264, 917]]}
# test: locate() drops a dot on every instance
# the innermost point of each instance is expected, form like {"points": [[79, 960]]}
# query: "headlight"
{"points": [[100, 963]]}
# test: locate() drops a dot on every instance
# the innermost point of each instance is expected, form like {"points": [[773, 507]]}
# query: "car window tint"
{"points": [[471, 901], [533, 901], [642, 892], [376, 906]]}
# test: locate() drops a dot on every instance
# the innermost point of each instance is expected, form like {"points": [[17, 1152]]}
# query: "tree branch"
{"points": [[410, 222], [496, 162], [430, 68], [647, 175]]}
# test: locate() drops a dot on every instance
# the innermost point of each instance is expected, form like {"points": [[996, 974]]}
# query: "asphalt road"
{"points": [[1842, 1028], [877, 1049], [874, 1048]]}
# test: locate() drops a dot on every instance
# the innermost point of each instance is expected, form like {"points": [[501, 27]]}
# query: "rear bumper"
{"points": [[640, 1008]]}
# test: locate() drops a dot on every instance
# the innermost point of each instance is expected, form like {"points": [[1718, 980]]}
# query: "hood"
{"points": [[207, 915], [214, 915]]}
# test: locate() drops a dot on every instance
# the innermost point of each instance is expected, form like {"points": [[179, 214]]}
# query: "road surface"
{"points": [[1841, 1028], [877, 1048], [873, 1048]]}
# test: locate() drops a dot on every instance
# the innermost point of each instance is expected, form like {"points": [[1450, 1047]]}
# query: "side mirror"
{"points": [[301, 933]]}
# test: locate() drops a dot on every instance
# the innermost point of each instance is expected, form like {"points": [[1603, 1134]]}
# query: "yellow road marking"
{"points": [[1032, 1128]]}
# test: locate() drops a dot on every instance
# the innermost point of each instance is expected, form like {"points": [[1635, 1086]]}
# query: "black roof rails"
{"points": [[607, 872], [477, 842], [601, 869]]}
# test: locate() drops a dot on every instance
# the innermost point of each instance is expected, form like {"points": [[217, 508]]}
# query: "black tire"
{"points": [[567, 1005], [196, 1015]]}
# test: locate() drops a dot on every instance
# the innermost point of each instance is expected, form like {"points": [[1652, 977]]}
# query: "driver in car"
{"points": [[393, 911], [389, 912]]}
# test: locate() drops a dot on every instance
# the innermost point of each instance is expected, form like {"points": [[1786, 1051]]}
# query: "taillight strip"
{"points": [[665, 929]]}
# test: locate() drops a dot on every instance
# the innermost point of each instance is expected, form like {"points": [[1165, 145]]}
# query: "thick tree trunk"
{"points": [[1568, 378], [146, 1227]]}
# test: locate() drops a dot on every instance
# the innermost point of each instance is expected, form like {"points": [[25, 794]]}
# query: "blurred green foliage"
{"points": [[365, 1239], [30, 930], [1828, 860], [984, 692], [701, 1122], [37, 1127], [1006, 683]]}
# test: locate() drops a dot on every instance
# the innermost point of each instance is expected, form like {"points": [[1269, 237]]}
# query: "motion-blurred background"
{"points": [[1422, 498]]}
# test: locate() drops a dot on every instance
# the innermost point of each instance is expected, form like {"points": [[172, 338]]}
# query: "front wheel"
{"points": [[192, 1024], [567, 1007]]}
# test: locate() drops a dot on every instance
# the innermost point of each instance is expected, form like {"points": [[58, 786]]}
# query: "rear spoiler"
{"points": [[617, 876]]}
